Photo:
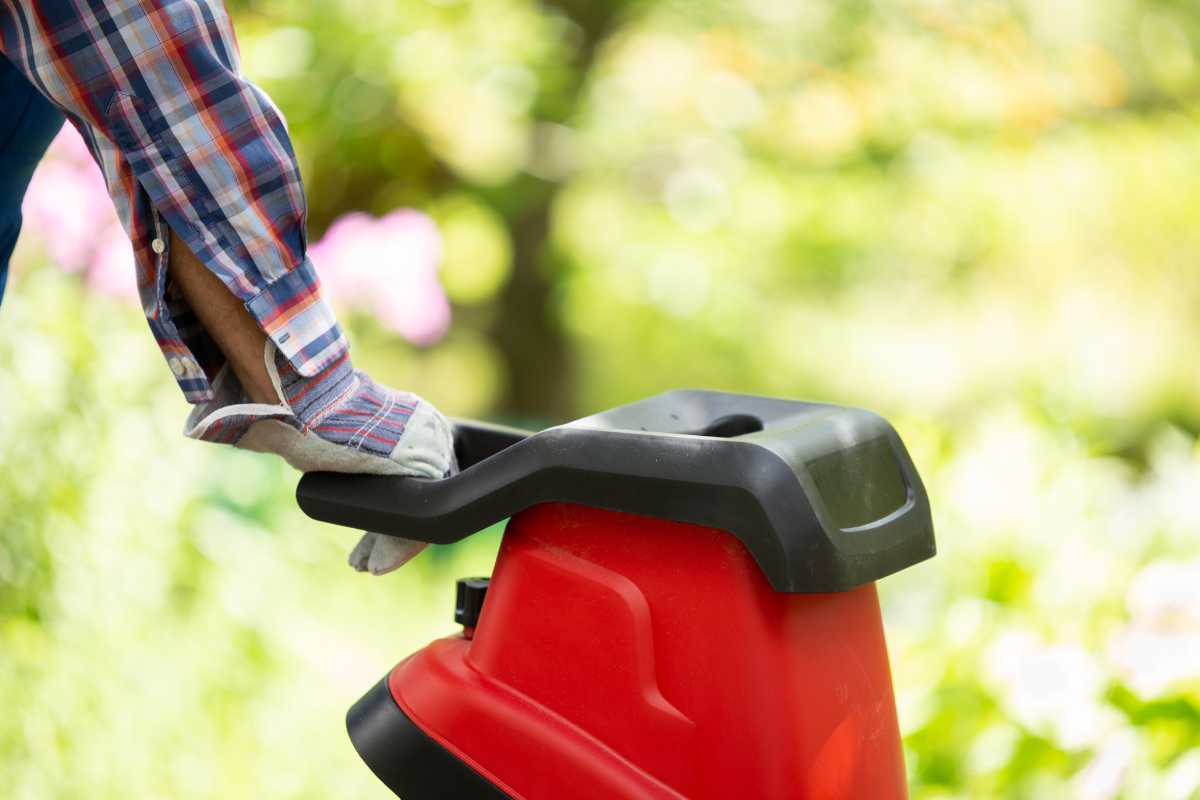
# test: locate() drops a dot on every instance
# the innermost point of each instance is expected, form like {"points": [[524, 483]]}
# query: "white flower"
{"points": [[1104, 776], [1160, 647], [1053, 690]]}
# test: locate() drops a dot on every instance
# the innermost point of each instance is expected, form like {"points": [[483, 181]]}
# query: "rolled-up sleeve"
{"points": [[185, 142]]}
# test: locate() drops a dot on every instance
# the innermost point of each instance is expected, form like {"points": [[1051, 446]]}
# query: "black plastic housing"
{"points": [[825, 498], [405, 758]]}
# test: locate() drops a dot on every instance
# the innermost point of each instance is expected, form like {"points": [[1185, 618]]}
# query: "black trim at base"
{"points": [[405, 758]]}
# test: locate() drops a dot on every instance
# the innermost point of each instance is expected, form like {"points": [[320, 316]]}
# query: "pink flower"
{"points": [[112, 269], [65, 206], [68, 207], [416, 309], [69, 146], [387, 267]]}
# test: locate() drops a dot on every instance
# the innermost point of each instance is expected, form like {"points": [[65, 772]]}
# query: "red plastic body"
{"points": [[619, 656]]}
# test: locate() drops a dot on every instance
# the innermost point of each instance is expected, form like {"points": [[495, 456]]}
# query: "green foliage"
{"points": [[976, 218]]}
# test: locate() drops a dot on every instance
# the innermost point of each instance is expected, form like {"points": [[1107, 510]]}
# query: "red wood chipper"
{"points": [[683, 606]]}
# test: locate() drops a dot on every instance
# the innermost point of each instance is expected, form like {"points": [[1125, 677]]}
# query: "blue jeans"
{"points": [[27, 125]]}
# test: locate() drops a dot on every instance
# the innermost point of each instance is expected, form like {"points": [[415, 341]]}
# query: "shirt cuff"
{"points": [[295, 316]]}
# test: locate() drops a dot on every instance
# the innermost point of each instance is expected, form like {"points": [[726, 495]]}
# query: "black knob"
{"points": [[469, 600]]}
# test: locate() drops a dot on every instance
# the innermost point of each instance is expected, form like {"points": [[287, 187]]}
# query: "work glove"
{"points": [[336, 421]]}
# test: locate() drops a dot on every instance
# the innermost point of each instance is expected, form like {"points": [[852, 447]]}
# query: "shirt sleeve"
{"points": [[188, 144]]}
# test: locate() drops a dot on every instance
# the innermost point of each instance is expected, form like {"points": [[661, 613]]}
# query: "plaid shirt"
{"points": [[185, 141]]}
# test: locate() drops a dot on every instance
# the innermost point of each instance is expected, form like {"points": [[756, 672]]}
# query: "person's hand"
{"points": [[378, 553], [337, 421]]}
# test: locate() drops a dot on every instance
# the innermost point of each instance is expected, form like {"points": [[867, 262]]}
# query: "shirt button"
{"points": [[158, 246], [178, 367]]}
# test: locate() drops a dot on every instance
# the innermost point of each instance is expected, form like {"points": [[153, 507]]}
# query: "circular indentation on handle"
{"points": [[730, 425]]}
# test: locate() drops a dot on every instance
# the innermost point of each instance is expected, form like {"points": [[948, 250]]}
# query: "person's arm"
{"points": [[201, 169], [226, 320], [190, 148]]}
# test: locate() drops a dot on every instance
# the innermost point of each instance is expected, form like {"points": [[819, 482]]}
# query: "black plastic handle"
{"points": [[825, 498]]}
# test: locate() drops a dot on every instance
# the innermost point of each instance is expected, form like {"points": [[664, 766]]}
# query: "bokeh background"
{"points": [[977, 218]]}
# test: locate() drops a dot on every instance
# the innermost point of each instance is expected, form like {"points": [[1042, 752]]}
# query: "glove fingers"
{"points": [[392, 552], [361, 554], [426, 449]]}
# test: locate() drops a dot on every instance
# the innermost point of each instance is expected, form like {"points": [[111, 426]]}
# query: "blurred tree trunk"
{"points": [[528, 328]]}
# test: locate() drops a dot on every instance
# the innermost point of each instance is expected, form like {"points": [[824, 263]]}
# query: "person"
{"points": [[201, 169], [27, 126]]}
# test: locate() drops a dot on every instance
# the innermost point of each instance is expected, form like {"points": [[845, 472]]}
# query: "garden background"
{"points": [[977, 218]]}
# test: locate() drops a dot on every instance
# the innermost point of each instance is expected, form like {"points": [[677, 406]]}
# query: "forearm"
{"points": [[236, 333]]}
